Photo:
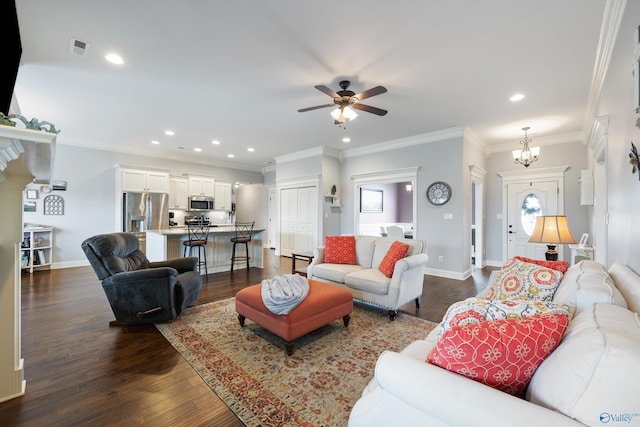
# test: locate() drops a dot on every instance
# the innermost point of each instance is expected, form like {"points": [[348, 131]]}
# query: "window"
{"points": [[530, 210]]}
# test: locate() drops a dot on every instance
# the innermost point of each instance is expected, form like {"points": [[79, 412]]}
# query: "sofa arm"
{"points": [[452, 398], [182, 265], [318, 258]]}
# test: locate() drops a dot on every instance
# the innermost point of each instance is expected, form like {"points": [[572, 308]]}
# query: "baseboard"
{"points": [[69, 264], [447, 274], [492, 263]]}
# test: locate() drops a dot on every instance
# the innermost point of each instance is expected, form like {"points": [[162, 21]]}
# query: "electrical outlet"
{"points": [[440, 258]]}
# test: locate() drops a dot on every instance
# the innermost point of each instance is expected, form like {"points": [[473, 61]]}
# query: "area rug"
{"points": [[318, 385]]}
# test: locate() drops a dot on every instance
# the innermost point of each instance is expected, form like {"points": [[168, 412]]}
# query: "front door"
{"points": [[526, 201]]}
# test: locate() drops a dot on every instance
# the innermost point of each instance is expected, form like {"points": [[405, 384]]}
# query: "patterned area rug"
{"points": [[316, 386]]}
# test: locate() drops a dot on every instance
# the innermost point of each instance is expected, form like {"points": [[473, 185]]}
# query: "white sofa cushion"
{"points": [[585, 284], [595, 371], [627, 283], [370, 280], [334, 272], [364, 250]]}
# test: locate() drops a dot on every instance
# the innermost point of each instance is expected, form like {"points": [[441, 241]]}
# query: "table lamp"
{"points": [[551, 230]]}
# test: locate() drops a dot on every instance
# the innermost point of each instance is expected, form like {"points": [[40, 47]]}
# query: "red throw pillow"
{"points": [[340, 250], [503, 354], [561, 266], [396, 251]]}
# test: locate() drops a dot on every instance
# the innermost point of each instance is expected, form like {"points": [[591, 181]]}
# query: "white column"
{"points": [[12, 383]]}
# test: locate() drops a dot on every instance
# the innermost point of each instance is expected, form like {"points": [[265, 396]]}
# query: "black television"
{"points": [[12, 51]]}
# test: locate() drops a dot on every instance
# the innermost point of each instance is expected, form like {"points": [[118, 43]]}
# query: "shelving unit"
{"points": [[36, 249], [333, 201]]}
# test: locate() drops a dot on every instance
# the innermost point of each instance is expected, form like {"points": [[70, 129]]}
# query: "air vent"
{"points": [[78, 47]]}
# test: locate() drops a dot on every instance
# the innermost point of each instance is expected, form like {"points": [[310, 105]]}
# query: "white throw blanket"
{"points": [[283, 293]]}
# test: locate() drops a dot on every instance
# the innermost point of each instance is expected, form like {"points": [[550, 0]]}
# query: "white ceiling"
{"points": [[238, 71]]}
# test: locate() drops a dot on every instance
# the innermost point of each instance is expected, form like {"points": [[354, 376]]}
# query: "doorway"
{"points": [[525, 195], [399, 180], [526, 202]]}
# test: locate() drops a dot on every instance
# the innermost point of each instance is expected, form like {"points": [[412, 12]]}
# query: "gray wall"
{"points": [[438, 161], [90, 196], [572, 154]]}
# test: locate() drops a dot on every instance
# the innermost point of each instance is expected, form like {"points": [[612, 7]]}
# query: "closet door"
{"points": [[288, 220], [306, 237]]}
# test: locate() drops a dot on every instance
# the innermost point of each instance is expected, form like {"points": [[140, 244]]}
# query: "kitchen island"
{"points": [[166, 244]]}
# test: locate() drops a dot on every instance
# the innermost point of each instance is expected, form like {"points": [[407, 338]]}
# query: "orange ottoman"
{"points": [[324, 304]]}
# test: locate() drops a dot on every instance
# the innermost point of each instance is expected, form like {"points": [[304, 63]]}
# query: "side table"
{"points": [[581, 252], [302, 255]]}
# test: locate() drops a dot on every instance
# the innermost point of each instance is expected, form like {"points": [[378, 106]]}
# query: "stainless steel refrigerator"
{"points": [[144, 211]]}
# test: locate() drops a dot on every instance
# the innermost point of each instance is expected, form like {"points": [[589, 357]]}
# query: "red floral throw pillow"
{"points": [[340, 250], [561, 266], [396, 251], [503, 354]]}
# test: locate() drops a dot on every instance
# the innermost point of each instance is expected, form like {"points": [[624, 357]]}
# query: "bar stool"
{"points": [[244, 230], [198, 236]]}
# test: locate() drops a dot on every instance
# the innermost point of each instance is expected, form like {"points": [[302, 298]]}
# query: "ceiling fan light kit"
{"points": [[346, 101]]}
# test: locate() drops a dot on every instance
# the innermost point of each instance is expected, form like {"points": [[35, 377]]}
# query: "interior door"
{"points": [[307, 219], [526, 201], [288, 220]]}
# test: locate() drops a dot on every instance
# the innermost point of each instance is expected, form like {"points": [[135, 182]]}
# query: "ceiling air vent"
{"points": [[78, 47]]}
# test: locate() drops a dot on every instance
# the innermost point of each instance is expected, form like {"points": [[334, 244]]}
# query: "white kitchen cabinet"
{"points": [[178, 193], [201, 186], [141, 180], [222, 196], [36, 249]]}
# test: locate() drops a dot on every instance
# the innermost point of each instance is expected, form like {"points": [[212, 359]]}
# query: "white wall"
{"points": [[623, 187]]}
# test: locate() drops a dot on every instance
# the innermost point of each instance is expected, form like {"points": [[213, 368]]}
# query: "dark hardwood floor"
{"points": [[81, 371]]}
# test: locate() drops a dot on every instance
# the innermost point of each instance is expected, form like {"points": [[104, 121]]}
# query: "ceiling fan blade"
{"points": [[371, 92], [330, 92], [302, 110], [369, 109]]}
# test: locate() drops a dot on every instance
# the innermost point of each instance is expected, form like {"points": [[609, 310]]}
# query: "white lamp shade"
{"points": [[552, 230]]}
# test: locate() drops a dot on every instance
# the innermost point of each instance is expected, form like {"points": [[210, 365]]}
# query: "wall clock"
{"points": [[439, 193]]}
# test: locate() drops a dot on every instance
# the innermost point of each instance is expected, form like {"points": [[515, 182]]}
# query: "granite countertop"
{"points": [[180, 230]]}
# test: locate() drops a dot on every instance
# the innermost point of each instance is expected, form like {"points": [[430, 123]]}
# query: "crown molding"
{"points": [[562, 138], [312, 152], [425, 138], [613, 13]]}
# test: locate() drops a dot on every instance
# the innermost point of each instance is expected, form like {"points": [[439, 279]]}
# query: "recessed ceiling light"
{"points": [[231, 156], [346, 139], [197, 149], [154, 142], [251, 149], [215, 142], [114, 58], [169, 132], [516, 97]]}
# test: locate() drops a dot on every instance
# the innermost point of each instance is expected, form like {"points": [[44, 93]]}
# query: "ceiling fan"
{"points": [[346, 100]]}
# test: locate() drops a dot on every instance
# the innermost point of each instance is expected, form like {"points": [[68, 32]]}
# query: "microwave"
{"points": [[200, 203]]}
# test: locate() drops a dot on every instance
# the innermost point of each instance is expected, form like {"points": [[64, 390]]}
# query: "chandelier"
{"points": [[527, 155]]}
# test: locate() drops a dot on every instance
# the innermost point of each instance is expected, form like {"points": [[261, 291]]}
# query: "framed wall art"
{"points": [[370, 200]]}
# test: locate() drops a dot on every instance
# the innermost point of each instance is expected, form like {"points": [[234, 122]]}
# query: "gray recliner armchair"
{"points": [[140, 291]]}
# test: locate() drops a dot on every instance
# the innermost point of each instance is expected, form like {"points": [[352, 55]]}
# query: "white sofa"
{"points": [[592, 378], [366, 282]]}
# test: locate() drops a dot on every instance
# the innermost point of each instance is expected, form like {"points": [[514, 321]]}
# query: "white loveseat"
{"points": [[366, 282], [592, 378]]}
